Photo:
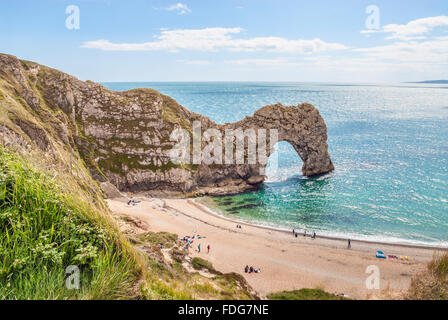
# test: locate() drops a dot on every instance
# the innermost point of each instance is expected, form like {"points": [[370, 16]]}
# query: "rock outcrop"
{"points": [[125, 137]]}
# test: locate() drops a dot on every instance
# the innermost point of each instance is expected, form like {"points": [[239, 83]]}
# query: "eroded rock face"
{"points": [[124, 137], [302, 126]]}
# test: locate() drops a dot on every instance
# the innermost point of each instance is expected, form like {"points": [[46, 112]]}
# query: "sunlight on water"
{"points": [[388, 143]]}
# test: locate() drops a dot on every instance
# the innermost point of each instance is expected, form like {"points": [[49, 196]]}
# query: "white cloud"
{"points": [[433, 51], [417, 52], [215, 39], [180, 7], [364, 68], [274, 62], [312, 63], [414, 30], [415, 48], [194, 62]]}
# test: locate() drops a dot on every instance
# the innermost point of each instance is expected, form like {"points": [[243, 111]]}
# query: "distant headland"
{"points": [[431, 82]]}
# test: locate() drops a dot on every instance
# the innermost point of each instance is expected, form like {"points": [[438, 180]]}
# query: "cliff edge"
{"points": [[126, 137]]}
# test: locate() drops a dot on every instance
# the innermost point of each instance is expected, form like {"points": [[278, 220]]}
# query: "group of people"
{"points": [[251, 269], [296, 234], [199, 248], [189, 241], [313, 236], [238, 226]]}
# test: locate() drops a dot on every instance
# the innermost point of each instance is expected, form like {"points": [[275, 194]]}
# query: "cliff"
{"points": [[126, 137], [53, 217]]}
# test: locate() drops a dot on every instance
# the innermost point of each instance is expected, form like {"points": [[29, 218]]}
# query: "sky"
{"points": [[231, 40]]}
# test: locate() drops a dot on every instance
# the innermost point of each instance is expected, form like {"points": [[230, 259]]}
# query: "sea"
{"points": [[388, 142]]}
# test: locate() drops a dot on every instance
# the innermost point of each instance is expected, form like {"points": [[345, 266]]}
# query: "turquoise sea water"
{"points": [[389, 144]]}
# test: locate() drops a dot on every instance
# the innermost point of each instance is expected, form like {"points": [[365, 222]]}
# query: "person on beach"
{"points": [[293, 232], [199, 248], [251, 269], [208, 249], [132, 201], [304, 233], [314, 235], [349, 245], [246, 269]]}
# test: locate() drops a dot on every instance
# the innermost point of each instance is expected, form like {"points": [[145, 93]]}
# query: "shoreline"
{"points": [[210, 211], [287, 263]]}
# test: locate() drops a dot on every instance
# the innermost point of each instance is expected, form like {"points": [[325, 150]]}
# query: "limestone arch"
{"points": [[301, 126]]}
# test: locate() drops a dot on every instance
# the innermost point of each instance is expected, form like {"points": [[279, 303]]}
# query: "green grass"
{"points": [[52, 214], [43, 230], [164, 238], [439, 265], [304, 294], [206, 288], [199, 263]]}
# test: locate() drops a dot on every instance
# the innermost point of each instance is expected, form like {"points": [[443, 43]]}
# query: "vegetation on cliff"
{"points": [[125, 137], [304, 294], [431, 284], [44, 228], [48, 222], [52, 211]]}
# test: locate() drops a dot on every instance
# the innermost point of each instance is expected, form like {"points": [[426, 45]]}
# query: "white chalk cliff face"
{"points": [[124, 137]]}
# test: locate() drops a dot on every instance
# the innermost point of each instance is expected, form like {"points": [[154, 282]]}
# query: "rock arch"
{"points": [[125, 137], [301, 126]]}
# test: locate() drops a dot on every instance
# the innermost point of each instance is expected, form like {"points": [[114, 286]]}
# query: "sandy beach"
{"points": [[286, 262]]}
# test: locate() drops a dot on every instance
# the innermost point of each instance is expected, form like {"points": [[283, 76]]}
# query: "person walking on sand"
{"points": [[208, 249], [199, 248], [349, 245]]}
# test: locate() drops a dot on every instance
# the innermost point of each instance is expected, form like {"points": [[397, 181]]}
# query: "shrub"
{"points": [[304, 294], [431, 284], [199, 263], [43, 230]]}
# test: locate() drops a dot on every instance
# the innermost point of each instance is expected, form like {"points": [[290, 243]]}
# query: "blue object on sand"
{"points": [[380, 255]]}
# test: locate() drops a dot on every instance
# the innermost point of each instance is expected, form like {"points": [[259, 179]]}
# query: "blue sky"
{"points": [[232, 40]]}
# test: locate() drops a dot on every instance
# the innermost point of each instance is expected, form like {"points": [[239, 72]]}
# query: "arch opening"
{"points": [[284, 163]]}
